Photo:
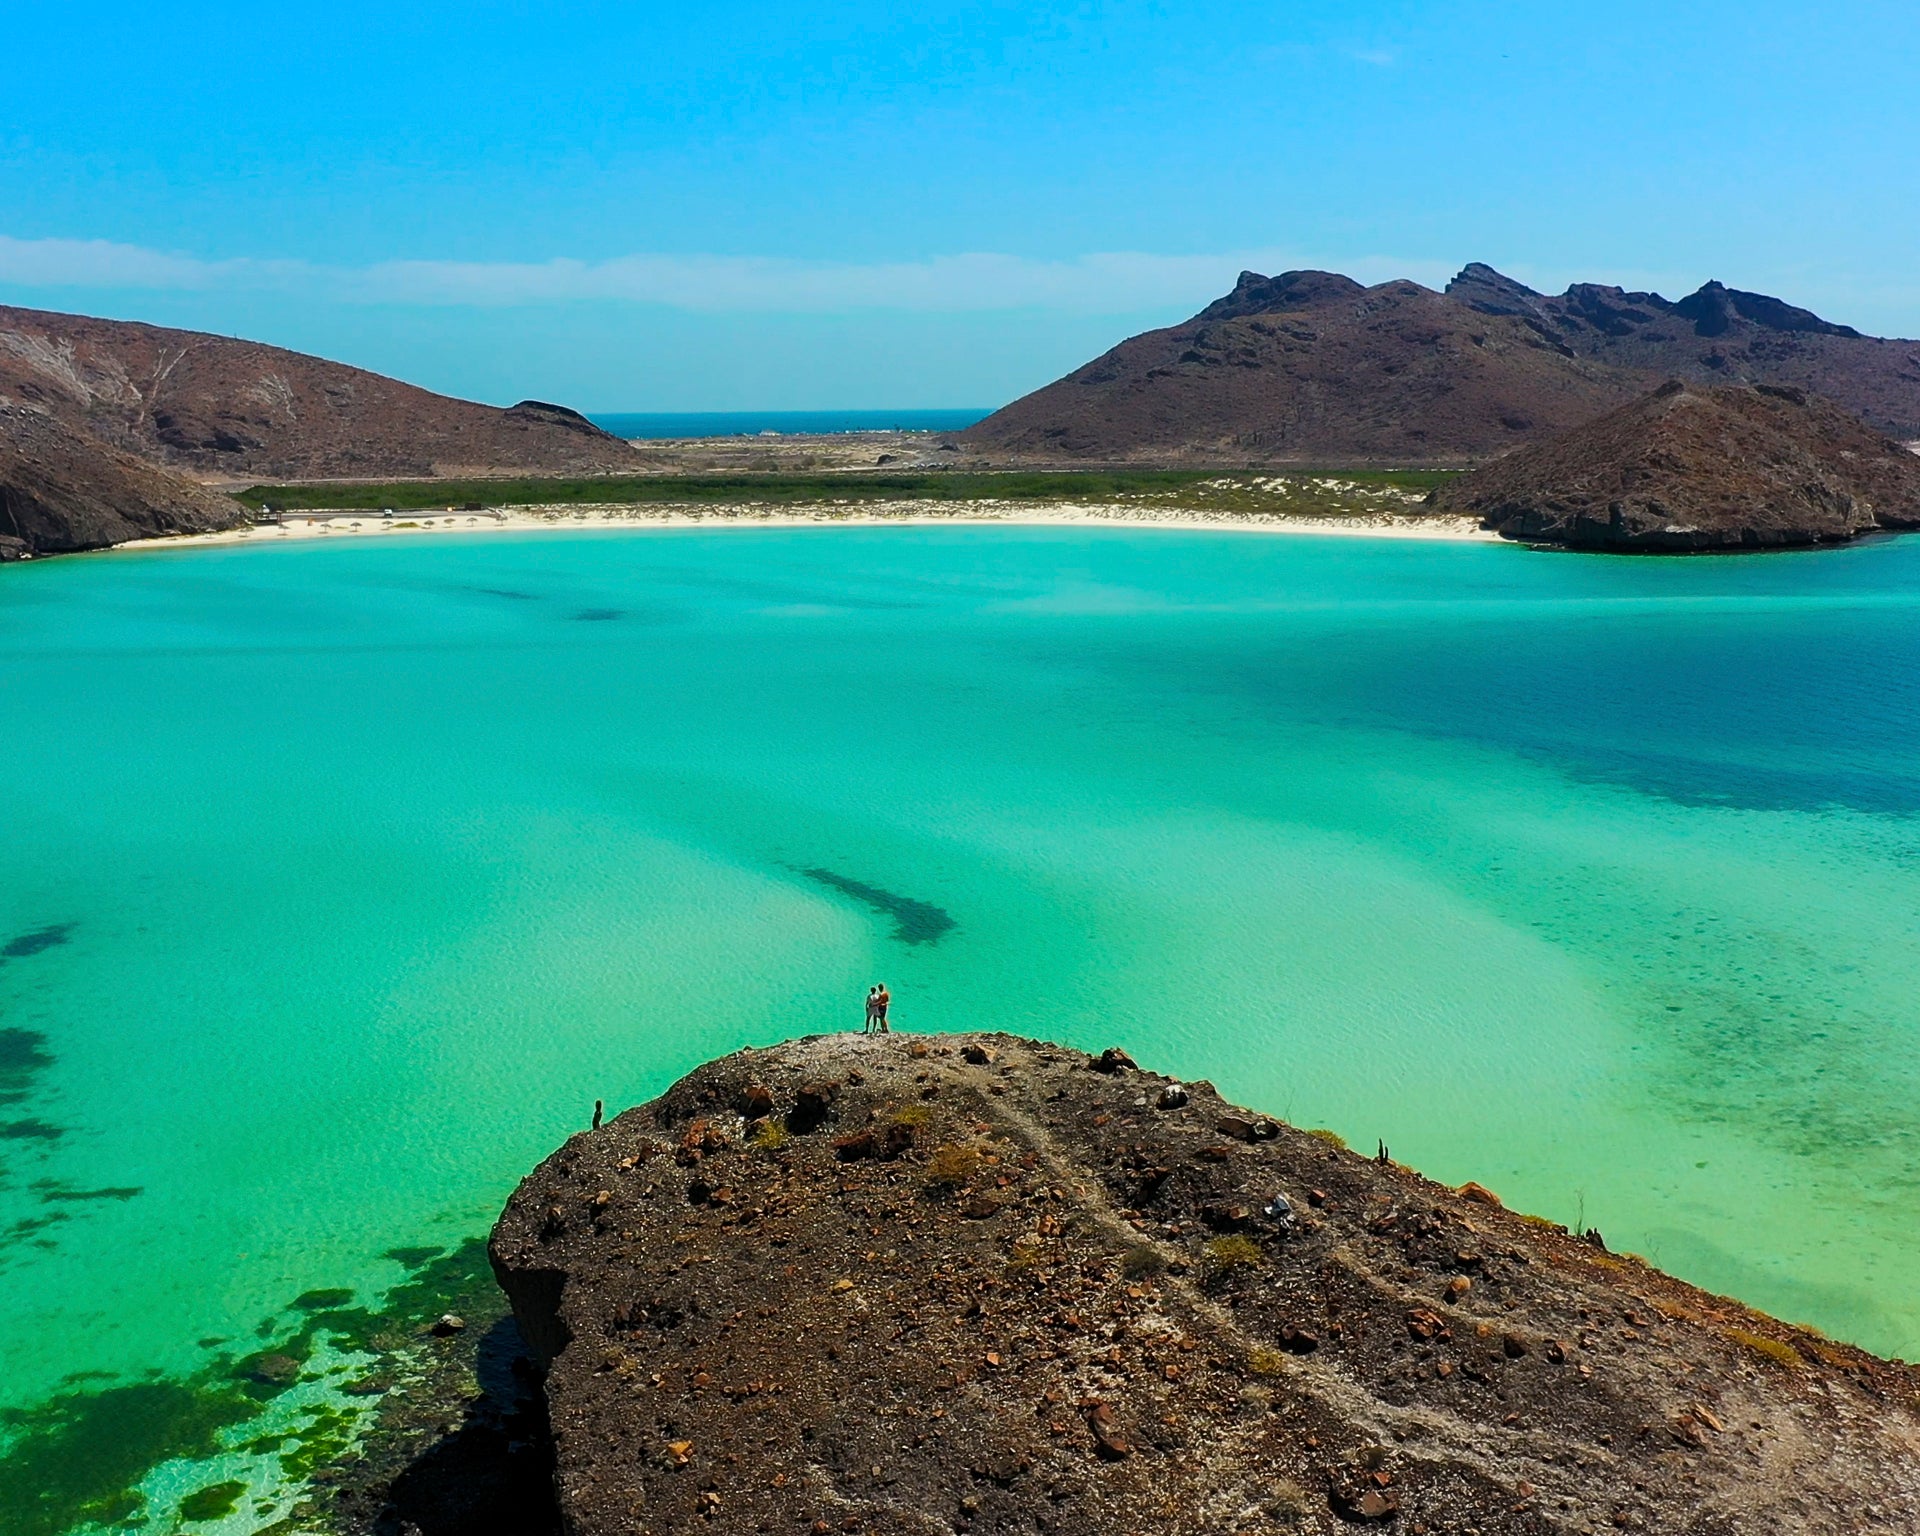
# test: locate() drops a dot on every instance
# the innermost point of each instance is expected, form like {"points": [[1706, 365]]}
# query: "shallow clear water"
{"points": [[339, 880]]}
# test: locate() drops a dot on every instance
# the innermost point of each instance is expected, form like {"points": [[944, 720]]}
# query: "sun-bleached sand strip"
{"points": [[579, 518], [295, 524]]}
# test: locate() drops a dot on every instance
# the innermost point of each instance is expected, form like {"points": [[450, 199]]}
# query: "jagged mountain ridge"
{"points": [[1716, 335], [218, 407], [1314, 367]]}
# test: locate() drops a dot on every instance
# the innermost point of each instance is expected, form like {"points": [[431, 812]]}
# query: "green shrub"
{"points": [[1774, 1349], [952, 1165], [769, 1136], [1232, 1252]]}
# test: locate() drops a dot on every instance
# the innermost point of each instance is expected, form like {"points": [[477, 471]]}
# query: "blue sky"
{"points": [[783, 206]]}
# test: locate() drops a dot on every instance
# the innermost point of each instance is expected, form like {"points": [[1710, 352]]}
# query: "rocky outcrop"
{"points": [[979, 1284], [61, 490], [1687, 468], [234, 409], [1311, 367]]}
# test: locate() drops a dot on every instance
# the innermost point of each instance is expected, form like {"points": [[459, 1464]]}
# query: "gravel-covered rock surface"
{"points": [[932, 1284]]}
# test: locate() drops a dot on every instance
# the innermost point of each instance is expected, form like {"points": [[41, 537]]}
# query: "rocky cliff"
{"points": [[220, 407], [61, 490], [1311, 367], [980, 1284], [1691, 468]]}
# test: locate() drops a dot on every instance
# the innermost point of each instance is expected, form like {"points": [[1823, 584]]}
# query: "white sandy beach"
{"points": [[346, 525]]}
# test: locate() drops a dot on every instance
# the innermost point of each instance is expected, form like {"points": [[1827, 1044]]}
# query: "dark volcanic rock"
{"points": [[232, 408], [61, 490], [1312, 367], [1687, 468], [1025, 1323]]}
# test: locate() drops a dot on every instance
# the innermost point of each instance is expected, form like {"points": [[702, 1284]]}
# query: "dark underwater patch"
{"points": [[412, 1258], [914, 922], [30, 1130], [1698, 782], [212, 1503], [78, 1457], [54, 1193], [34, 943], [508, 593], [598, 615], [323, 1301], [23, 1057]]}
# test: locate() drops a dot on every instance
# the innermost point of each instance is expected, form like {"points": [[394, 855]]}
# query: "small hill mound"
{"points": [[238, 409], [1687, 468], [61, 490]]}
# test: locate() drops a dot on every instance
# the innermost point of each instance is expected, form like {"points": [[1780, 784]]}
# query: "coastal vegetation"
{"points": [[1308, 492]]}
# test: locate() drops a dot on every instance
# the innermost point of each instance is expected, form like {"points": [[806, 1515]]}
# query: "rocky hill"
{"points": [[1690, 468], [1311, 367], [979, 1284], [1717, 335], [61, 490], [217, 407]]}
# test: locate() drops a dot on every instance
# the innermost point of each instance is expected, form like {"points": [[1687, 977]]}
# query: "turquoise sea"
{"points": [[338, 880]]}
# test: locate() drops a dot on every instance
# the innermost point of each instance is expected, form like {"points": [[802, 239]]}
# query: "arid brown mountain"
{"points": [[905, 1285], [1717, 335], [1310, 367], [61, 490], [1686, 467], [218, 407]]}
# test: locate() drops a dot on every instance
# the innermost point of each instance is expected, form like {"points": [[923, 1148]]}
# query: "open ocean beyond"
{"points": [[339, 879]]}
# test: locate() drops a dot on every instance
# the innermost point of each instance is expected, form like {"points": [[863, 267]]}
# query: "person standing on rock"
{"points": [[884, 999], [873, 1010]]}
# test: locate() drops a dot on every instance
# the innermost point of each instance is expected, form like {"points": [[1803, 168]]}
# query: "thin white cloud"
{"points": [[1101, 283]]}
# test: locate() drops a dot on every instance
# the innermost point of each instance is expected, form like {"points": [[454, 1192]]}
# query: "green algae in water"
{"points": [[914, 921], [78, 1458], [323, 1300], [326, 1436], [30, 1130], [23, 1057], [215, 1502], [37, 942]]}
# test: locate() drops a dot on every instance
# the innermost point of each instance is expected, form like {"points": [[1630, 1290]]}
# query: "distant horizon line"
{"points": [[739, 423]]}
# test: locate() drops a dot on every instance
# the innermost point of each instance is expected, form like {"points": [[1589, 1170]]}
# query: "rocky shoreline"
{"points": [[982, 1284], [1686, 469]]}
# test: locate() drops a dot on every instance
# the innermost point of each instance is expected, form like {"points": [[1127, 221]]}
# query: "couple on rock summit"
{"points": [[879, 999]]}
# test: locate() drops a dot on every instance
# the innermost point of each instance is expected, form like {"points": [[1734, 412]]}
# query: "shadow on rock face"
{"points": [[489, 1473]]}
